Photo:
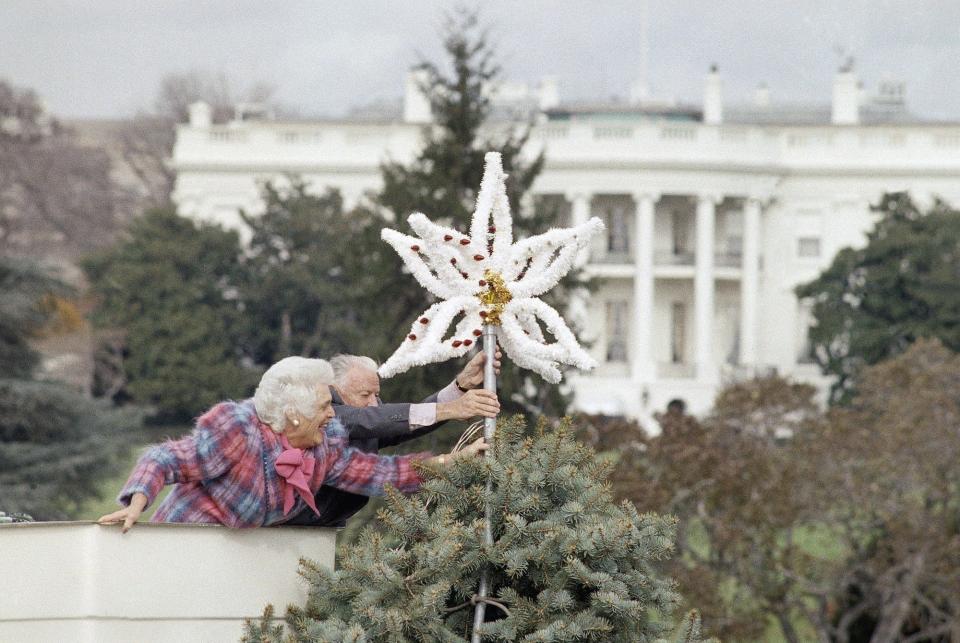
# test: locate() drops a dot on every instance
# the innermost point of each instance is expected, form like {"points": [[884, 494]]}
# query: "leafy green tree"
{"points": [[874, 302], [55, 444], [313, 276], [171, 288], [567, 563]]}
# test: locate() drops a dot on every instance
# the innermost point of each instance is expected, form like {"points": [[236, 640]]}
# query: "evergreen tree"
{"points": [[567, 563], [55, 444], [442, 182], [874, 302], [23, 313], [320, 280], [171, 287]]}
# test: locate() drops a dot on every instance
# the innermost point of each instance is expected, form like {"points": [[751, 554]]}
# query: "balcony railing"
{"points": [[734, 373], [673, 258], [728, 259], [676, 370], [611, 258], [666, 258]]}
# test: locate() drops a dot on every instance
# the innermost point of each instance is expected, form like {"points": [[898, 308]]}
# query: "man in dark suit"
{"points": [[373, 424]]}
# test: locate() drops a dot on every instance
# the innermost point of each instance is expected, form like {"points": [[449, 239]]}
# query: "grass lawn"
{"points": [[816, 540]]}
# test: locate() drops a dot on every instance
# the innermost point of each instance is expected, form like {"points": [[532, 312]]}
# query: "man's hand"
{"points": [[472, 374], [128, 515], [479, 402]]}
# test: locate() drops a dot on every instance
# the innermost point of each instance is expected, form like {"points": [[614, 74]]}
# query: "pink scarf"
{"points": [[296, 470]]}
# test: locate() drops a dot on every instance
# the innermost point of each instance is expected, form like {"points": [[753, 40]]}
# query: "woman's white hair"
{"points": [[290, 387], [343, 364]]}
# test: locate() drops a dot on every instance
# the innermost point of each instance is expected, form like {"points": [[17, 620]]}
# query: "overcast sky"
{"points": [[104, 58]]}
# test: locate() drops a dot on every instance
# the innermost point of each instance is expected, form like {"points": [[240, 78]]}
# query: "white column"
{"points": [[643, 369], [580, 214], [703, 285], [750, 283], [579, 298]]}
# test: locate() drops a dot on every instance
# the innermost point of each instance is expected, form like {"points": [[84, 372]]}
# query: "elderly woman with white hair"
{"points": [[259, 462]]}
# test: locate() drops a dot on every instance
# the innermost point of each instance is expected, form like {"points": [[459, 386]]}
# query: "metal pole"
{"points": [[489, 427]]}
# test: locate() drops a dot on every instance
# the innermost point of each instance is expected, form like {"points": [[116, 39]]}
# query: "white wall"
{"points": [[83, 582]]}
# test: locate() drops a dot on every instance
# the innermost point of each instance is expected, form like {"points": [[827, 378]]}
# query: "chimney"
{"points": [[639, 92], [713, 98], [416, 105], [200, 114], [761, 96], [846, 97], [548, 94]]}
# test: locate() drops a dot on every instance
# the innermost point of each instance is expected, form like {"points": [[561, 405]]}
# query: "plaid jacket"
{"points": [[224, 470]]}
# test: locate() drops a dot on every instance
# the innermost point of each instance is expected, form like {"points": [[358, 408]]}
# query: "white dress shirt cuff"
{"points": [[426, 414]]}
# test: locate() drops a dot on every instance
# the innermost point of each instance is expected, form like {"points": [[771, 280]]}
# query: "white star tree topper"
{"points": [[488, 279]]}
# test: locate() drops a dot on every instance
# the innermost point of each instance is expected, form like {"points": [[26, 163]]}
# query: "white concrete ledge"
{"points": [[79, 581]]}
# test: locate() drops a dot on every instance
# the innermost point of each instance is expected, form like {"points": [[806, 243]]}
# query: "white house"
{"points": [[714, 212]]}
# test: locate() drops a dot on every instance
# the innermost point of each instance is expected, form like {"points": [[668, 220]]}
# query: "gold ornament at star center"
{"points": [[494, 297]]}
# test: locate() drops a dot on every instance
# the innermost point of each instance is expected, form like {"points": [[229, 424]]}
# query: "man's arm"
{"points": [[380, 422], [393, 424], [425, 418], [450, 406], [388, 423]]}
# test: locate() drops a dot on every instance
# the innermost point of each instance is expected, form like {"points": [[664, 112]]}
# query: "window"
{"points": [[808, 247], [678, 332], [805, 353], [680, 237], [616, 331], [731, 314], [618, 234], [735, 245]]}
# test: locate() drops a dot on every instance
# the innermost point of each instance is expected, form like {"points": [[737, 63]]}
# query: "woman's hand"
{"points": [[128, 515], [477, 446]]}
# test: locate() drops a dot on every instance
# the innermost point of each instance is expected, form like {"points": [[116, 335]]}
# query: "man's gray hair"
{"points": [[342, 364], [290, 387]]}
